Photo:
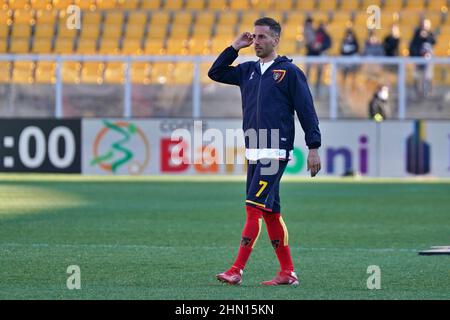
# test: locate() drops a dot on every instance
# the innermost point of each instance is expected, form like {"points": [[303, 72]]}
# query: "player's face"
{"points": [[264, 40]]}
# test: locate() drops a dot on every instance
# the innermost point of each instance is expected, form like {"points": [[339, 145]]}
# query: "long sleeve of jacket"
{"points": [[222, 70], [304, 107]]}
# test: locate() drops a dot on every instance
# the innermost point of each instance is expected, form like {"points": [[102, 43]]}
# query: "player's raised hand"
{"points": [[244, 40], [314, 162]]}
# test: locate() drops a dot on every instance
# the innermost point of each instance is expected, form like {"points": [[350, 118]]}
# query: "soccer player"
{"points": [[272, 89]]}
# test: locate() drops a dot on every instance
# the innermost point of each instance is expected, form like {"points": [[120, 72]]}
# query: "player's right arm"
{"points": [[222, 70]]}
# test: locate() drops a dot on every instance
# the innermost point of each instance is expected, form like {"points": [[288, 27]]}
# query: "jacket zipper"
{"points": [[257, 112]]}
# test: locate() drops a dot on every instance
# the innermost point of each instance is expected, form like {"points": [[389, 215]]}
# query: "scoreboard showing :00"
{"points": [[38, 159]]}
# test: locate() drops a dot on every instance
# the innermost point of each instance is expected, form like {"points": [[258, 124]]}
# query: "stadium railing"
{"points": [[333, 86]]}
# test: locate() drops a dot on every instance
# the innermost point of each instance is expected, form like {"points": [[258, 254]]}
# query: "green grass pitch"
{"points": [[157, 238]]}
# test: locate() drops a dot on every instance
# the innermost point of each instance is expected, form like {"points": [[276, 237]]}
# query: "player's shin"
{"points": [[278, 235], [250, 235]]}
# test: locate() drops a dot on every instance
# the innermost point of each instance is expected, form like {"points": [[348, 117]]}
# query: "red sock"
{"points": [[249, 236], [278, 235]]}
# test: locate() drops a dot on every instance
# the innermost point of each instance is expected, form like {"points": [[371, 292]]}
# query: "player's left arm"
{"points": [[304, 107]]}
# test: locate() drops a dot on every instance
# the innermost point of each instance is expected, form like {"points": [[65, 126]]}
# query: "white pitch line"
{"points": [[149, 247]]}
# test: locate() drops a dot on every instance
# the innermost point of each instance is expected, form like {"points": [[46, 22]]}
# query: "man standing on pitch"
{"points": [[272, 89]]}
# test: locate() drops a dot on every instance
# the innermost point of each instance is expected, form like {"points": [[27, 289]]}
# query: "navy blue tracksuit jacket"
{"points": [[269, 101]]}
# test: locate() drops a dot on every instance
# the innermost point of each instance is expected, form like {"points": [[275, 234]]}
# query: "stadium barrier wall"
{"points": [[145, 147]]}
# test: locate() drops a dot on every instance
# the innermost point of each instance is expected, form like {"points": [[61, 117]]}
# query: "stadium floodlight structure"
{"points": [[334, 62]]}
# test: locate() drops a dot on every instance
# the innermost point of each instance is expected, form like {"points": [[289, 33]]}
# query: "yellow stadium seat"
{"points": [[106, 4], [249, 18], [127, 4], [228, 18], [291, 32], [225, 31], [45, 72], [90, 31], [92, 72], [159, 18], [71, 72], [5, 71], [305, 5], [3, 46], [87, 46], [6, 17], [173, 4], [23, 72], [349, 5], [287, 47], [276, 15], [182, 18], [205, 19], [4, 30], [327, 4], [19, 4], [179, 32], [393, 5], [162, 72], [114, 73], [61, 4], [262, 4], [20, 46], [198, 46], [64, 46], [218, 5], [86, 4], [195, 4], [66, 33], [175, 47], [219, 44], [183, 73], [367, 3], [109, 47], [134, 32], [41, 4], [151, 4], [114, 18], [154, 46], [46, 16], [436, 5], [132, 47], [137, 18], [414, 5], [239, 4], [157, 32], [42, 46], [23, 17], [283, 5], [140, 72], [91, 18], [21, 31], [112, 32], [201, 33]]}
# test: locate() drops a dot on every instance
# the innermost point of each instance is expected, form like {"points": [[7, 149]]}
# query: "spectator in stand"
{"points": [[349, 47], [422, 46], [322, 42], [373, 46], [391, 46]]}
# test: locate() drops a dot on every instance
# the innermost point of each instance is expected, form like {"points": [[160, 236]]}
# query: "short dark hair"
{"points": [[271, 23]]}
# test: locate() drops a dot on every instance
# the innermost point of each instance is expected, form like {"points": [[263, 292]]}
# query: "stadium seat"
{"points": [[42, 45], [140, 72], [46, 16], [45, 72], [195, 4], [154, 46], [114, 73], [262, 4], [64, 46], [218, 5], [306, 5], [61, 4], [70, 72], [4, 32], [19, 45], [151, 4], [127, 4], [157, 32], [41, 4], [173, 4], [23, 72], [87, 46], [106, 4], [5, 71], [92, 72], [132, 47], [19, 4], [239, 4]]}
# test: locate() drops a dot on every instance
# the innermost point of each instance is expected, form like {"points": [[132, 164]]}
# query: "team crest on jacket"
{"points": [[278, 75]]}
